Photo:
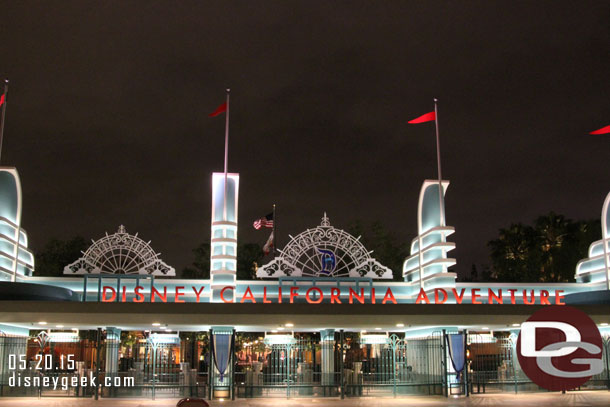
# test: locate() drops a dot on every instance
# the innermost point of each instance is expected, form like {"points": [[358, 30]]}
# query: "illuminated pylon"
{"points": [[223, 243]]}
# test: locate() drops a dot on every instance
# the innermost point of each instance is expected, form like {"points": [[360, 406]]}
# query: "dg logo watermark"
{"points": [[560, 348]]}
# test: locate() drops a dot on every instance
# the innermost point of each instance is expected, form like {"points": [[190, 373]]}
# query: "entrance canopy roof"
{"points": [[267, 317]]}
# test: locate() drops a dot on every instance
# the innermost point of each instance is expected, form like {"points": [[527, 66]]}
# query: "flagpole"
{"points": [[3, 114], [274, 234], [224, 209], [438, 160]]}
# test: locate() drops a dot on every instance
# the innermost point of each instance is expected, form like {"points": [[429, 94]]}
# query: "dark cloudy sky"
{"points": [[107, 116]]}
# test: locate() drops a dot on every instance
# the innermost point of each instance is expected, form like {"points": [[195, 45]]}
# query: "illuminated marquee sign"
{"points": [[337, 295]]}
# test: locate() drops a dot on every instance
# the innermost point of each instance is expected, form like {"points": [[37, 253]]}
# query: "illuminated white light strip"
{"points": [[223, 242]]}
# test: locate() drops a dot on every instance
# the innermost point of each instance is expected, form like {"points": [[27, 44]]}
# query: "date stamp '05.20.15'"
{"points": [[56, 373]]}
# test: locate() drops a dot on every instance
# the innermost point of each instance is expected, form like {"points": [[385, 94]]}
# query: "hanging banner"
{"points": [[222, 352], [457, 352]]}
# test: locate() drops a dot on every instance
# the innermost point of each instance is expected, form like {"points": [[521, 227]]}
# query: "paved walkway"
{"points": [[575, 399]]}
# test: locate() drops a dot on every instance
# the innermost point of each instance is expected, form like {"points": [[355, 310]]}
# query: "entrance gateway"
{"points": [[323, 319]]}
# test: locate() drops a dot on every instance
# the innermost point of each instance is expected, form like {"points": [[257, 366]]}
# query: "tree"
{"points": [[386, 248], [474, 275], [562, 258], [200, 268], [249, 256], [56, 254], [547, 251], [514, 255]]}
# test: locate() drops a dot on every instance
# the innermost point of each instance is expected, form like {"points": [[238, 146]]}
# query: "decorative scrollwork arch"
{"points": [[324, 252], [120, 253]]}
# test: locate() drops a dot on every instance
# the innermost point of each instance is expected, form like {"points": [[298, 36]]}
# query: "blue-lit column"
{"points": [[327, 344], [516, 373], [223, 243], [113, 342]]}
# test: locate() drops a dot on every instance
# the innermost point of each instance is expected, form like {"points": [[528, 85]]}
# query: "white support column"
{"points": [[113, 342], [327, 343]]}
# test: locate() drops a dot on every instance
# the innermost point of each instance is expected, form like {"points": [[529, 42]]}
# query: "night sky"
{"points": [[107, 114]]}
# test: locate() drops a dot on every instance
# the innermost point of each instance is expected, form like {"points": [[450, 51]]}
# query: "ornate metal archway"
{"points": [[120, 253], [324, 252]]}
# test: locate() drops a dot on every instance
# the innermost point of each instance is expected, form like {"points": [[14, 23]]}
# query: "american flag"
{"points": [[264, 222]]}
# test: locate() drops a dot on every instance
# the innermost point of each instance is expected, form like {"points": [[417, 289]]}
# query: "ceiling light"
{"points": [[516, 324], [289, 325], [156, 324], [485, 327], [378, 329], [42, 323], [59, 326], [400, 325], [274, 331], [280, 328]]}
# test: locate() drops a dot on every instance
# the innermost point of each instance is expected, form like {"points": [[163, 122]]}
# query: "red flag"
{"points": [[269, 245], [221, 109], [428, 117], [603, 130], [2, 100]]}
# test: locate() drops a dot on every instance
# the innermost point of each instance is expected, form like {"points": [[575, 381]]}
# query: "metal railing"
{"points": [[308, 367]]}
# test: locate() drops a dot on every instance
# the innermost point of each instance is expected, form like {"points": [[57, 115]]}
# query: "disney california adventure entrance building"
{"points": [[323, 319]]}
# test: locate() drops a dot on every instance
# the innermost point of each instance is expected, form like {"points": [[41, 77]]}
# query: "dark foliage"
{"points": [[546, 251], [56, 254], [386, 248], [249, 256]]}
